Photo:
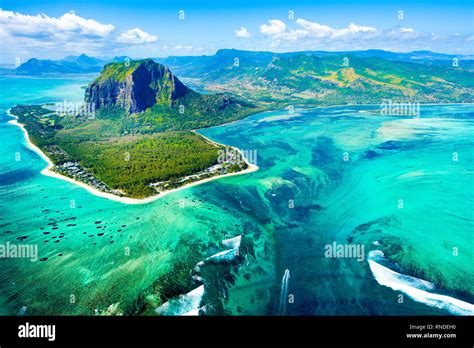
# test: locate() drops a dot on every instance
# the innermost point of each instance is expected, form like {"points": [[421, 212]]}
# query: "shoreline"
{"points": [[312, 107], [125, 200]]}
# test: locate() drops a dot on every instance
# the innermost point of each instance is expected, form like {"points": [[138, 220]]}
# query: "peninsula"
{"points": [[134, 141]]}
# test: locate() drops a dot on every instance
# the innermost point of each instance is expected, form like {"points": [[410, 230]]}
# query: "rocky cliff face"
{"points": [[135, 86]]}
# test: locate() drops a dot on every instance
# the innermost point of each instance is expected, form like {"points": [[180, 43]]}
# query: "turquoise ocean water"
{"points": [[401, 186]]}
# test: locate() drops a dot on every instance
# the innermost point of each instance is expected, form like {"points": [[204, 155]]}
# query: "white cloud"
{"points": [[182, 47], [317, 30], [69, 33], [242, 32], [278, 32], [136, 36], [303, 34], [352, 30], [41, 25], [276, 27]]}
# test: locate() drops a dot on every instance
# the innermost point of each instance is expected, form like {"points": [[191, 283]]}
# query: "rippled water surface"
{"points": [[343, 175]]}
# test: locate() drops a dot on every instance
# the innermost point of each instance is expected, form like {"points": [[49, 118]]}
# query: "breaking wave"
{"points": [[417, 289]]}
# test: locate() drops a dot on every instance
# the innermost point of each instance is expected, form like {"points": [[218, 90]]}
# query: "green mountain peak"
{"points": [[135, 86]]}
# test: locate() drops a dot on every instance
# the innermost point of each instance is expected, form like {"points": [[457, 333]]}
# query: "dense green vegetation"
{"points": [[126, 163], [118, 71], [132, 163], [37, 121], [195, 111]]}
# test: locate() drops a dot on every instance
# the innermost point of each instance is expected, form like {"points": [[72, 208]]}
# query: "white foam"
{"points": [[416, 288], [284, 292], [194, 312], [233, 243], [408, 128], [412, 174], [278, 118], [187, 304], [224, 255]]}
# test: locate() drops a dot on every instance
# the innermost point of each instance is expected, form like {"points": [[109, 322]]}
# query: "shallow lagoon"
{"points": [[326, 175]]}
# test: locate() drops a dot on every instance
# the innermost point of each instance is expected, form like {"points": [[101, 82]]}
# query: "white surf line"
{"points": [[415, 288], [222, 256], [229, 254], [226, 255], [187, 304], [233, 242], [125, 200], [284, 292]]}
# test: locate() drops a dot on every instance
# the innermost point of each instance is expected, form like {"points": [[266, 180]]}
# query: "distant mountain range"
{"points": [[187, 64], [298, 78], [81, 64], [193, 65], [328, 78]]}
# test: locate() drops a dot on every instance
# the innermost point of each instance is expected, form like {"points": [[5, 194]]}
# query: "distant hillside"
{"points": [[324, 78], [192, 65], [84, 60], [195, 66], [70, 65], [82, 64]]}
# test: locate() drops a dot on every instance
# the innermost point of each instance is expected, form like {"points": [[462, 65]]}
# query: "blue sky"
{"points": [[48, 29]]}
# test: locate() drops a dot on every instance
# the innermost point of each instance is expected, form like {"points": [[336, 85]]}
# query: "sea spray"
{"points": [[233, 243], [220, 265], [284, 292], [187, 304], [226, 255], [417, 289]]}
